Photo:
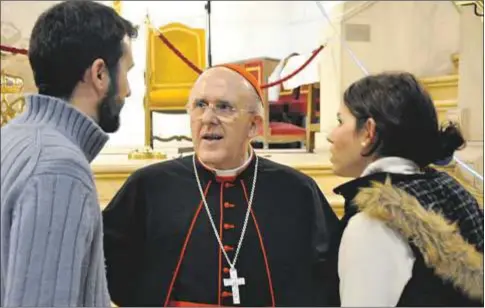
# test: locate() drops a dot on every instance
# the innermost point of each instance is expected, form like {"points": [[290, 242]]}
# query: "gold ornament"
{"points": [[12, 99]]}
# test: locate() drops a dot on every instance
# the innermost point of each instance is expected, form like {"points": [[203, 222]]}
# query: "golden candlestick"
{"points": [[146, 153]]}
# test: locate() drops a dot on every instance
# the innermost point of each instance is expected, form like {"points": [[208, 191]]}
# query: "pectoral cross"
{"points": [[234, 282]]}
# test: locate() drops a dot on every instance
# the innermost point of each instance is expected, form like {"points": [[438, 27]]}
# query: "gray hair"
{"points": [[256, 106]]}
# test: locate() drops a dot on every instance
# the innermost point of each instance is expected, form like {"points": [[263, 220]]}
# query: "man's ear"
{"points": [[256, 126], [98, 76]]}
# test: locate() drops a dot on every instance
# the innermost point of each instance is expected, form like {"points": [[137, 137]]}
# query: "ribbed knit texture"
{"points": [[51, 239]]}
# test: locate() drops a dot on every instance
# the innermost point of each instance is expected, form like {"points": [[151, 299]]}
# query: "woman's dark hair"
{"points": [[405, 117], [68, 37]]}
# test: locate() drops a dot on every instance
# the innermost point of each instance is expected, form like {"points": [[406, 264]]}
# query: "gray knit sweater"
{"points": [[51, 227]]}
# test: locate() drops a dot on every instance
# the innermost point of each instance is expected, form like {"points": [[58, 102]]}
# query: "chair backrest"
{"points": [[305, 100], [164, 68]]}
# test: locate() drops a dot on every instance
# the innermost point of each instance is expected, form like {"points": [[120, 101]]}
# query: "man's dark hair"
{"points": [[406, 121], [67, 38]]}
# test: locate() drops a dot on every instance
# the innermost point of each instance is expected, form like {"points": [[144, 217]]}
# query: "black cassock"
{"points": [[160, 248]]}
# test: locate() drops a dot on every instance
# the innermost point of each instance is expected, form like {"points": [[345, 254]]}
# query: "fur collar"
{"points": [[439, 241]]}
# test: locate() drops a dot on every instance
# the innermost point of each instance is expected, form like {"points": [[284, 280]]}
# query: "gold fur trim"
{"points": [[440, 242]]}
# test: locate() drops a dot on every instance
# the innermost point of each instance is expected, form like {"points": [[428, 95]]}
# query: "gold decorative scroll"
{"points": [[12, 99], [117, 6], [11, 84], [11, 108]]}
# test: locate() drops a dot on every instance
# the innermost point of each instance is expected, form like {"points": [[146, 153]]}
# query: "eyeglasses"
{"points": [[221, 109]]}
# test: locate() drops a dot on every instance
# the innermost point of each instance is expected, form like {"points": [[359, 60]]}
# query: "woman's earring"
{"points": [[364, 144]]}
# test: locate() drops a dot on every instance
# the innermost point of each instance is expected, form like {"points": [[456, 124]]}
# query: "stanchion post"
{"points": [[209, 49]]}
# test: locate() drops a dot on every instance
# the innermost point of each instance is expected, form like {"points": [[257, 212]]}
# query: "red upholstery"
{"points": [[295, 105], [281, 128], [276, 107]]}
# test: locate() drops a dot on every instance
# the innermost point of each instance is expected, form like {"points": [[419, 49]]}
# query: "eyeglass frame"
{"points": [[234, 110]]}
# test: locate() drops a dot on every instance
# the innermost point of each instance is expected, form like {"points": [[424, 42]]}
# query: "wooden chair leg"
{"points": [[312, 142], [148, 128], [151, 129]]}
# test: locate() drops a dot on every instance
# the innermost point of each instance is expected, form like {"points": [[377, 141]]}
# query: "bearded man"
{"points": [[52, 243], [224, 226]]}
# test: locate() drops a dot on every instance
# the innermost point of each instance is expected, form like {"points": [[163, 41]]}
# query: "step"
{"points": [[442, 87]]}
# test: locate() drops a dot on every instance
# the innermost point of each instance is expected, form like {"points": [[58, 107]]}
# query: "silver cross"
{"points": [[234, 282]]}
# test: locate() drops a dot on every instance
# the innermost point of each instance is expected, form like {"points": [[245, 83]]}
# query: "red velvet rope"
{"points": [[264, 86], [192, 65], [13, 50], [179, 54]]}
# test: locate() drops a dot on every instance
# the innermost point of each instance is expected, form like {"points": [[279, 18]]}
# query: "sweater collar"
{"points": [[67, 119]]}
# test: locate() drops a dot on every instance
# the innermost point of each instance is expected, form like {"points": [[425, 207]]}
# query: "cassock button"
{"points": [[225, 270], [226, 294], [228, 248], [228, 226], [228, 205]]}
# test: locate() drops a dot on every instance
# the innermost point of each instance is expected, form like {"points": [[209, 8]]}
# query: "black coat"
{"points": [[160, 246], [443, 225]]}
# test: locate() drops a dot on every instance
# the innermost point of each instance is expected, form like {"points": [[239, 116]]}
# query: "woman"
{"points": [[412, 235]]}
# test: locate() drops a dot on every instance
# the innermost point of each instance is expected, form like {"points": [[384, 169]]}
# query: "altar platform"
{"points": [[112, 167]]}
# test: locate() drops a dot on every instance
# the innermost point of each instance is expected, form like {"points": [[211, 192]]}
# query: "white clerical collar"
{"points": [[231, 172], [392, 164], [235, 171]]}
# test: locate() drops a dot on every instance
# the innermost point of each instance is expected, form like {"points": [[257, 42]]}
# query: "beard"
{"points": [[109, 109]]}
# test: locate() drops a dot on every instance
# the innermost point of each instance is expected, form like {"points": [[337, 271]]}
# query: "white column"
{"points": [[330, 77]]}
